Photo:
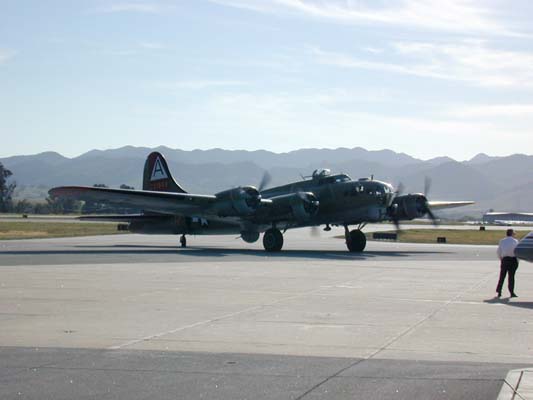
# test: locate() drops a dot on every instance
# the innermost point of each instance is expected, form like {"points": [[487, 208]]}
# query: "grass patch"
{"points": [[453, 236], [44, 229]]}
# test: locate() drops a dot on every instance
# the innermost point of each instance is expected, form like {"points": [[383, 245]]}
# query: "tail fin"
{"points": [[157, 176]]}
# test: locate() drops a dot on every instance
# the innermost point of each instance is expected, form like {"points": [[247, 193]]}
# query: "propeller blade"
{"points": [[399, 189], [315, 231], [397, 225], [432, 216], [427, 185], [265, 180]]}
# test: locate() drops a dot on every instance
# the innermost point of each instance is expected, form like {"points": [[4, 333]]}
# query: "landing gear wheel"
{"points": [[356, 241], [183, 241], [273, 240]]}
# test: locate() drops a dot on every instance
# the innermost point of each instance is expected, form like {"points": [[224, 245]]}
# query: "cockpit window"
{"points": [[334, 179]]}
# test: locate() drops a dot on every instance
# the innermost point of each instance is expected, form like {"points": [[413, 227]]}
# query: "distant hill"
{"points": [[262, 158], [481, 158], [500, 183], [509, 171]]}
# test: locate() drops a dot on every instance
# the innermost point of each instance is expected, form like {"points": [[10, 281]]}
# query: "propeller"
{"points": [[251, 195], [394, 208], [265, 180], [423, 205], [426, 208], [310, 201]]}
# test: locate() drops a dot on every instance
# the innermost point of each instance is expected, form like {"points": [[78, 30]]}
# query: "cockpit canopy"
{"points": [[321, 173]]}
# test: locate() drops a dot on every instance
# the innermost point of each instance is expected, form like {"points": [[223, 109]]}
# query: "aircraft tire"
{"points": [[356, 243], [273, 240]]}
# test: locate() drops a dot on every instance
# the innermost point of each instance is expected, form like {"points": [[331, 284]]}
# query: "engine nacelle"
{"points": [[409, 206], [301, 206], [250, 236], [243, 200]]}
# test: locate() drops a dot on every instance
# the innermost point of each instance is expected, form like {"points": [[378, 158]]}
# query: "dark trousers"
{"points": [[509, 266]]}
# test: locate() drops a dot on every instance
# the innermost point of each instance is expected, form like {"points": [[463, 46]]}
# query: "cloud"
{"points": [[137, 7], [331, 118], [135, 50], [451, 15], [197, 84], [493, 110], [471, 61], [152, 45], [121, 53], [6, 55]]}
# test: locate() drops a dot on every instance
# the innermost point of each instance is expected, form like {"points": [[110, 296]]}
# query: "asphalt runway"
{"points": [[136, 317], [299, 245]]}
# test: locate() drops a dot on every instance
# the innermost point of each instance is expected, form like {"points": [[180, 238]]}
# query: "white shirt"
{"points": [[506, 247]]}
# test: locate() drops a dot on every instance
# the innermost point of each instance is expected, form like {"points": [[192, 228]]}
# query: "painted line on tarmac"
{"points": [[181, 328], [399, 336], [226, 316]]}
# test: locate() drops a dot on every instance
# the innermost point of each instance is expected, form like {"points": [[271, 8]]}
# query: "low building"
{"points": [[507, 217]]}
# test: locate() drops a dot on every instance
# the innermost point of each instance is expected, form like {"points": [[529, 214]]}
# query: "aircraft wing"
{"points": [[440, 205], [160, 202]]}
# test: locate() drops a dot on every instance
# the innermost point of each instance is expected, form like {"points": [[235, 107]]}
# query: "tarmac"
{"points": [[137, 317]]}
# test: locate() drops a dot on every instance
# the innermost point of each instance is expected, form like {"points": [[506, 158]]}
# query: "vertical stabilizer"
{"points": [[157, 176]]}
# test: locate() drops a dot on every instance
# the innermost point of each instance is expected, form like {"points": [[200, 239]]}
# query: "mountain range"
{"points": [[499, 183]]}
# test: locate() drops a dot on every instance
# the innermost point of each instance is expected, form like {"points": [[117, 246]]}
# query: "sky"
{"points": [[425, 77]]}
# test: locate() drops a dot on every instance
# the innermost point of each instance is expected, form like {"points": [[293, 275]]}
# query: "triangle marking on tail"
{"points": [[158, 172]]}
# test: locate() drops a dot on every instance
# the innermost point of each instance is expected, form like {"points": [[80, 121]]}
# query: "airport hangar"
{"points": [[521, 217]]}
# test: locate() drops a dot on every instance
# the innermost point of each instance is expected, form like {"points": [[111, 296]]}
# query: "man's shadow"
{"points": [[509, 302]]}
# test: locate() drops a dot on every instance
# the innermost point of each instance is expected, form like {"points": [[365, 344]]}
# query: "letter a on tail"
{"points": [[158, 172]]}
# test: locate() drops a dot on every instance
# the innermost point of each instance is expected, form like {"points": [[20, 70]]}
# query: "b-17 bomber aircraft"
{"points": [[323, 199]]}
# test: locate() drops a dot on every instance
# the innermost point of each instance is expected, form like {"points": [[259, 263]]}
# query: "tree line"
{"points": [[51, 205]]}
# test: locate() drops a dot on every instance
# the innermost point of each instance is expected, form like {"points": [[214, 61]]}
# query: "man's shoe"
{"points": [[499, 294], [513, 295]]}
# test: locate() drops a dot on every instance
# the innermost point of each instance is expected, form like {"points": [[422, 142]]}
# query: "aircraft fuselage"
{"points": [[341, 201]]}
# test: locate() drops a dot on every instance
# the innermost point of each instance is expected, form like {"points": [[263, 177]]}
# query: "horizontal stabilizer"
{"points": [[125, 217]]}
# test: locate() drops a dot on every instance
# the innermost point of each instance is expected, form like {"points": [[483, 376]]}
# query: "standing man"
{"points": [[509, 263]]}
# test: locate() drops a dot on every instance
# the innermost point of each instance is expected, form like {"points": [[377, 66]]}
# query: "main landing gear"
{"points": [[183, 241], [273, 240], [355, 239]]}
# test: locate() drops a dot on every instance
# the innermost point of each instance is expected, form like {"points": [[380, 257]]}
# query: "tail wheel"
{"points": [[273, 240], [356, 241]]}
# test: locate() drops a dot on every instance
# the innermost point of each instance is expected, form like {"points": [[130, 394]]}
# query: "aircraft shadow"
{"points": [[221, 252], [319, 254], [192, 251]]}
